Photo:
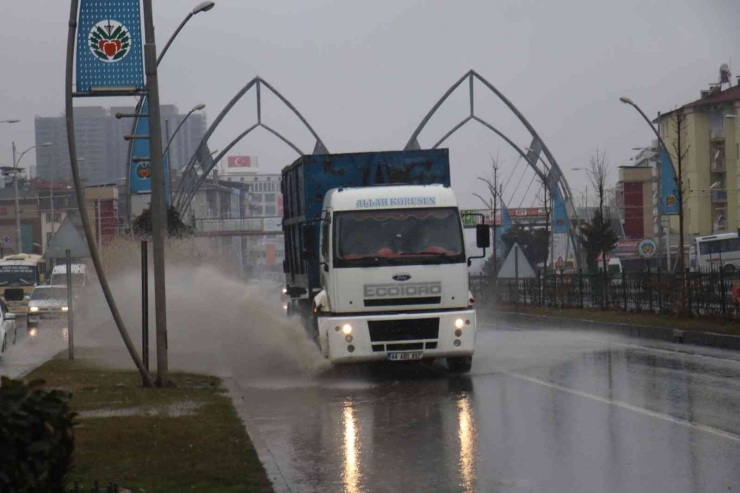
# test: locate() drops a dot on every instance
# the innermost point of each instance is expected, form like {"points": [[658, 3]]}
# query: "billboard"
{"points": [[109, 51]]}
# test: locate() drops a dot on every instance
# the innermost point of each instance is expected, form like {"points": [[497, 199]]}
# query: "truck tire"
{"points": [[460, 364]]}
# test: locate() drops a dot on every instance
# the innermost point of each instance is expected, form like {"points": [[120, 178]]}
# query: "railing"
{"points": [[706, 293]]}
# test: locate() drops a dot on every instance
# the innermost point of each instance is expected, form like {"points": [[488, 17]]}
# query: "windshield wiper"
{"points": [[24, 281], [4, 283], [435, 254]]}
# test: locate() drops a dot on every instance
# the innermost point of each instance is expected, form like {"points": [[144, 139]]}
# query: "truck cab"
{"points": [[394, 279], [375, 259]]}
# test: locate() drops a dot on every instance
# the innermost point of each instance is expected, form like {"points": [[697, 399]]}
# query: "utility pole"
{"points": [[158, 206], [18, 232], [495, 202], [659, 191]]}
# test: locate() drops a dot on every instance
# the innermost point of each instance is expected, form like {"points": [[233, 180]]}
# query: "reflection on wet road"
{"points": [[541, 411]]}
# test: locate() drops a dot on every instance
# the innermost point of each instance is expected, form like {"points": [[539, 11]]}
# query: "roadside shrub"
{"points": [[36, 439]]}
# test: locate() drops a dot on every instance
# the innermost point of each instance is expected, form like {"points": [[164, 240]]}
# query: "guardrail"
{"points": [[712, 293]]}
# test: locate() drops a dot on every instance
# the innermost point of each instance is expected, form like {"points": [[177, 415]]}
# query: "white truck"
{"points": [[380, 272]]}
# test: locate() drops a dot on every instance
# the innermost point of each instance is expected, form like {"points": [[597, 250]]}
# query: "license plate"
{"points": [[405, 356]]}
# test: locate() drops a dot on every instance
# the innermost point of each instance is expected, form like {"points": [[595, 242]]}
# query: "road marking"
{"points": [[623, 405]]}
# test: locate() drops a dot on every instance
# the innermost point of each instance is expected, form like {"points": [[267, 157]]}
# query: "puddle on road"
{"points": [[185, 408]]}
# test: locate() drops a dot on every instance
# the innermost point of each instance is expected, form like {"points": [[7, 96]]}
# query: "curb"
{"points": [[668, 334], [279, 484]]}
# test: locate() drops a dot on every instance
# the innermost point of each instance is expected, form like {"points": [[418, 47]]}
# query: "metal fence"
{"points": [[713, 293]]}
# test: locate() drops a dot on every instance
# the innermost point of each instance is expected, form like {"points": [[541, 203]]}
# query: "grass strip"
{"points": [[186, 438]]}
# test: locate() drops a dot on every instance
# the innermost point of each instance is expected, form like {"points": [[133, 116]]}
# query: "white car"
{"points": [[47, 302], [7, 326]]}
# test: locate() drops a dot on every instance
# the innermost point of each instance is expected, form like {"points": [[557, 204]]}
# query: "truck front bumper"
{"points": [[375, 337]]}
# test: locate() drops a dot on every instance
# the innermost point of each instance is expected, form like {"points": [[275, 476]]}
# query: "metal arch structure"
{"points": [[551, 174], [192, 181]]}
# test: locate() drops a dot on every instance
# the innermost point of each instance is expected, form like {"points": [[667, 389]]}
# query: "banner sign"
{"points": [[647, 248], [559, 216], [140, 171], [668, 185], [109, 50], [531, 213]]}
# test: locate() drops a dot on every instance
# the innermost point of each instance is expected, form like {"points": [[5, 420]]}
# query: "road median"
{"points": [[186, 438]]}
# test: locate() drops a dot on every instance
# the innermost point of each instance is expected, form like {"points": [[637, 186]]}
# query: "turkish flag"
{"points": [[240, 162]]}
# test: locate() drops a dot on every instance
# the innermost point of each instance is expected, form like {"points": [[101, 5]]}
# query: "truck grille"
{"points": [[426, 300], [403, 330]]}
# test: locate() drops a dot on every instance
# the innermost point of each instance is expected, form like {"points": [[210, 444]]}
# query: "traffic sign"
{"points": [[6, 239], [647, 248], [559, 263]]}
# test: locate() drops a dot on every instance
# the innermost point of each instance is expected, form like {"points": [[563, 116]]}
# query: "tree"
{"points": [[597, 237], [491, 203], [680, 152], [175, 226], [598, 175]]}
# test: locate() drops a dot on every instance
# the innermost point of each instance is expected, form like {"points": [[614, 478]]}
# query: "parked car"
{"points": [[7, 326]]}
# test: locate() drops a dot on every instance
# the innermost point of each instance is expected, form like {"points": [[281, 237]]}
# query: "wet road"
{"points": [[542, 411]]}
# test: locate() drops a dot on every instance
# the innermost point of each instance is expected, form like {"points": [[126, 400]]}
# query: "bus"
{"points": [[19, 273], [720, 251]]}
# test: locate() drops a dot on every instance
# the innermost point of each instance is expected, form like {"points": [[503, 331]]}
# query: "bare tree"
{"points": [[494, 193], [598, 174], [680, 151]]}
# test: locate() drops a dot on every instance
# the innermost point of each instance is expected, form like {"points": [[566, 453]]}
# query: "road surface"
{"points": [[542, 411]]}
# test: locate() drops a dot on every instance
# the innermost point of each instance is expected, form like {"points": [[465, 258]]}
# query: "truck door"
{"points": [[325, 251]]}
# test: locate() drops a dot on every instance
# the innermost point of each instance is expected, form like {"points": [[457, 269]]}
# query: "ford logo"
{"points": [[402, 277]]}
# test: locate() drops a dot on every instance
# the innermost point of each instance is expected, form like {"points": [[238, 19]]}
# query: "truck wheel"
{"points": [[460, 364]]}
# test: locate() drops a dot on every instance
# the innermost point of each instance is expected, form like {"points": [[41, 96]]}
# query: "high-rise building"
{"points": [[100, 145]]}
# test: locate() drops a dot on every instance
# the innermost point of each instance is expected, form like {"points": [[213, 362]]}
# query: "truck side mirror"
{"points": [[483, 235], [309, 242]]}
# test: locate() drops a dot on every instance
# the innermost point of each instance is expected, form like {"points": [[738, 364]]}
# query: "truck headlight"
{"points": [[459, 323], [285, 290], [34, 309], [347, 329], [65, 308], [32, 332]]}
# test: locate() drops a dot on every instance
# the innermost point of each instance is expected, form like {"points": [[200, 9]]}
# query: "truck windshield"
{"points": [[402, 236]]}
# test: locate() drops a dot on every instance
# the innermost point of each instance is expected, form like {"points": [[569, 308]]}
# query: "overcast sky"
{"points": [[365, 73]]}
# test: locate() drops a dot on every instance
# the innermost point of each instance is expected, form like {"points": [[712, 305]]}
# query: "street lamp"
{"points": [[16, 162], [628, 101], [165, 155], [201, 7], [9, 121]]}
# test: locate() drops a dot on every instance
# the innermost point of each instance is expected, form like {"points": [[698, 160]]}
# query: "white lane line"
{"points": [[623, 405]]}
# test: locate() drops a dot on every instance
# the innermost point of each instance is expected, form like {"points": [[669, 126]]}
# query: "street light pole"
{"points": [[662, 145], [158, 207], [18, 233]]}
